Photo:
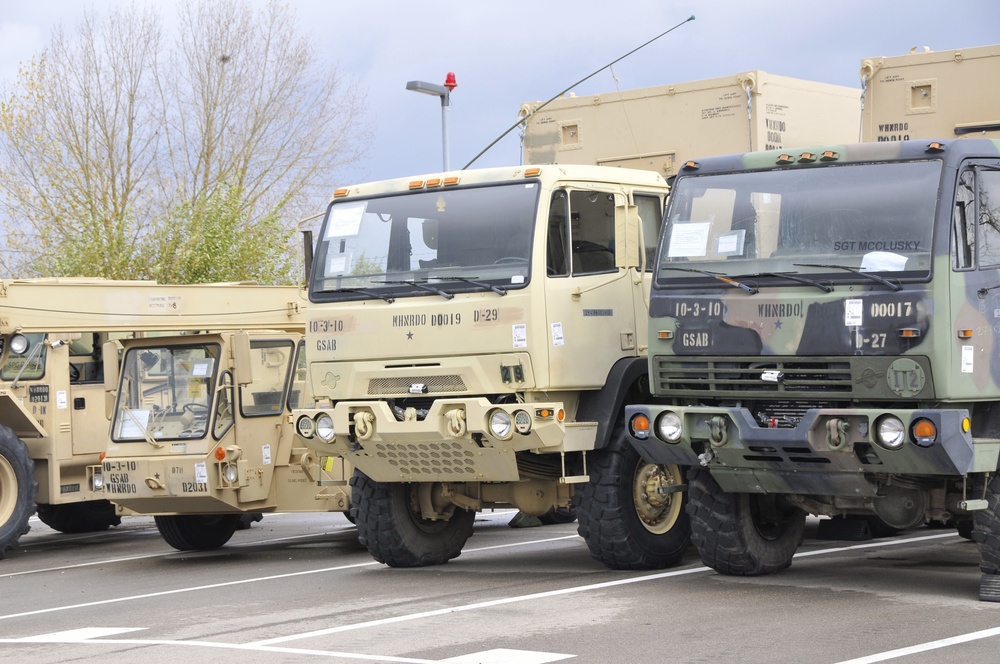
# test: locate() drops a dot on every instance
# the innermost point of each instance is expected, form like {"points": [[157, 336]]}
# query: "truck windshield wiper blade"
{"points": [[856, 270], [472, 280], [365, 291], [727, 280], [822, 285], [422, 284]]}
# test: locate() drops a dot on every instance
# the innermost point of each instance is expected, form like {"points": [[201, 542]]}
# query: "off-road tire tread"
{"points": [[986, 529], [187, 532], [716, 532], [386, 529], [90, 516], [607, 520], [16, 453]]}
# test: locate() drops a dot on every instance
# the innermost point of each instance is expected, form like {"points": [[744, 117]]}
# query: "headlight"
{"points": [[97, 481], [230, 473], [890, 432], [669, 427], [305, 427], [500, 424], [19, 344], [324, 428]]}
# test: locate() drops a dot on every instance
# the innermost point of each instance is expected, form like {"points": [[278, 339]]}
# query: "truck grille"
{"points": [[400, 386], [808, 378]]}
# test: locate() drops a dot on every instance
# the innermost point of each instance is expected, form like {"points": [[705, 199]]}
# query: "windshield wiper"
{"points": [[726, 280], [823, 286], [365, 291], [422, 284], [856, 270], [472, 280]]}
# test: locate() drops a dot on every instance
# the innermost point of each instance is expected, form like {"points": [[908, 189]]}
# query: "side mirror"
{"points": [[242, 364], [112, 369]]}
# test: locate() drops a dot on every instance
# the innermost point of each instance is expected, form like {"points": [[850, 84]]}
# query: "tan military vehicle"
{"points": [[657, 128], [53, 420], [932, 94], [201, 434]]}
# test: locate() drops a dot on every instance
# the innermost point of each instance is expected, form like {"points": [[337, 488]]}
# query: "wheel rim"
{"points": [[8, 490], [769, 519], [657, 502], [428, 526]]}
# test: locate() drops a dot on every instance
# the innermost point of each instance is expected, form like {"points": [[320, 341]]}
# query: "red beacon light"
{"points": [[449, 81]]}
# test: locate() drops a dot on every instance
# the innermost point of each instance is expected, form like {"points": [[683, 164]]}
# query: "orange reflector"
{"points": [[561, 415], [965, 334], [544, 413], [908, 332], [665, 334], [924, 429], [531, 172], [102, 457], [640, 423], [450, 181], [416, 184], [966, 425], [220, 453], [340, 192]]}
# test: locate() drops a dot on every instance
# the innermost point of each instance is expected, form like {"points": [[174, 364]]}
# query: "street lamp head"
{"points": [[427, 88]]}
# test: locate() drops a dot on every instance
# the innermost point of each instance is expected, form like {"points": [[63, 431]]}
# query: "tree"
{"points": [[125, 158]]}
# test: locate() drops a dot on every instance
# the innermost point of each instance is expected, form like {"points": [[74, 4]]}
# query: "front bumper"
{"points": [[828, 452]]}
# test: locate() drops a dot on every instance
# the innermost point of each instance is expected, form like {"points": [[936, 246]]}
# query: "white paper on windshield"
{"points": [[853, 312], [730, 244], [202, 368], [345, 219], [336, 264], [690, 239], [133, 423], [883, 261]]}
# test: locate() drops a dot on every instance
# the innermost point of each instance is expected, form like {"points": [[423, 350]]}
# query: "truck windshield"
{"points": [[830, 220], [439, 241], [165, 393]]}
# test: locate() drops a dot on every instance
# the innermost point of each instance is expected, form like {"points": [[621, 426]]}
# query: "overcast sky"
{"points": [[506, 53]]}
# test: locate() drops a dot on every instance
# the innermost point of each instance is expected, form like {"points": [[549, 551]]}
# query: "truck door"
{"points": [[589, 297]]}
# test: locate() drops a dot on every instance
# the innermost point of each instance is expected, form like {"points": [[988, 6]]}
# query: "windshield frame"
{"points": [[430, 280], [766, 187]]}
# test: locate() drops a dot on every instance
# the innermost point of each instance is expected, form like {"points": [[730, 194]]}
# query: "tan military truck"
{"points": [[53, 421], [201, 435], [932, 94], [656, 128]]}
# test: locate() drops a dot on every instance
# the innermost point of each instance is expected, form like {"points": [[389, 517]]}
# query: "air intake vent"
{"points": [[401, 386], [753, 377]]}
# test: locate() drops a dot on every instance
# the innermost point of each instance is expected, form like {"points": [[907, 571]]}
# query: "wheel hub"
{"points": [[8, 490], [656, 503]]}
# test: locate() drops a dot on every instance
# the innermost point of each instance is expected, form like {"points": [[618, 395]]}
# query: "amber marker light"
{"points": [[965, 334], [966, 425], [829, 155], [220, 453], [561, 415], [103, 456], [807, 157], [544, 413], [640, 426], [785, 159], [924, 432], [450, 182], [531, 172], [935, 146], [908, 332], [340, 193], [690, 166], [666, 335], [436, 182], [416, 184]]}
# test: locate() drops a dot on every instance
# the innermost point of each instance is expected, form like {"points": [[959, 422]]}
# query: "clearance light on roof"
{"points": [[531, 172], [786, 159], [416, 184], [436, 182], [339, 193], [829, 155], [448, 182], [807, 158], [690, 166], [935, 146]]}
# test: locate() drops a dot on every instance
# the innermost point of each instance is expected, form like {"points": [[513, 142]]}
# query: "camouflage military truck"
{"points": [[472, 339], [201, 435], [53, 418], [823, 327]]}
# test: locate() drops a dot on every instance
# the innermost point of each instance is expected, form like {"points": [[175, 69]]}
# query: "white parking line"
{"points": [[924, 647]]}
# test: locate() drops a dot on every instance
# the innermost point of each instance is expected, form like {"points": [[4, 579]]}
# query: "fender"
{"points": [[14, 416], [606, 404]]}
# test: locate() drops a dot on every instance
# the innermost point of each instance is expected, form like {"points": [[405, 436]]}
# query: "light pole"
{"points": [[444, 92]]}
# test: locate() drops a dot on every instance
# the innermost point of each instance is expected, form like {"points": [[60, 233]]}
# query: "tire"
{"points": [[558, 515], [623, 528], [742, 534], [986, 530], [394, 533], [197, 532], [989, 588], [87, 517], [17, 490]]}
